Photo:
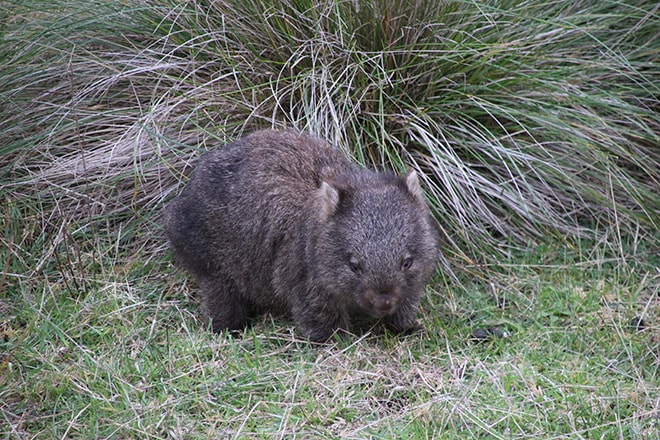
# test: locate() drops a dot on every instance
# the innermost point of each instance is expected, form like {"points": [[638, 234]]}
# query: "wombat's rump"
{"points": [[282, 221]]}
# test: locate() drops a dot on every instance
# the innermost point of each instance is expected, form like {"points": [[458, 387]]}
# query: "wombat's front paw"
{"points": [[401, 323], [320, 326], [319, 333]]}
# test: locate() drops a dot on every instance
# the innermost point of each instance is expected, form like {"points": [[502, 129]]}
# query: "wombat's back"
{"points": [[243, 200]]}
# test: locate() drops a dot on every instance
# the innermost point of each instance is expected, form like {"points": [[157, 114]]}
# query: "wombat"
{"points": [[281, 221]]}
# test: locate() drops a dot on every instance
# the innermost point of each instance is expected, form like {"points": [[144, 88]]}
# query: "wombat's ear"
{"points": [[328, 199], [412, 182]]}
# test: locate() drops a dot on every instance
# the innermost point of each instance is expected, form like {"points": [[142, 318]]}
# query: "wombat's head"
{"points": [[376, 246]]}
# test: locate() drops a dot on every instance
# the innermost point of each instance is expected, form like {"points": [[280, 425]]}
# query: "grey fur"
{"points": [[281, 221]]}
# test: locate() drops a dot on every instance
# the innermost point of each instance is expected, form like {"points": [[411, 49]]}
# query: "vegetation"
{"points": [[535, 125]]}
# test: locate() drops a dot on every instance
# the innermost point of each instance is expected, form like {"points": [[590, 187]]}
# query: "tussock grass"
{"points": [[533, 124], [524, 118]]}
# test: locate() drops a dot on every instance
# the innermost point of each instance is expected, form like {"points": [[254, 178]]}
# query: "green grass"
{"points": [[103, 343], [534, 126]]}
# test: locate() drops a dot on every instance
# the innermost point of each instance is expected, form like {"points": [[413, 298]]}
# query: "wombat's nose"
{"points": [[387, 298], [384, 301]]}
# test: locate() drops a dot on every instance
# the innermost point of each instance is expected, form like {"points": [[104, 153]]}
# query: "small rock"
{"points": [[487, 333], [637, 324]]}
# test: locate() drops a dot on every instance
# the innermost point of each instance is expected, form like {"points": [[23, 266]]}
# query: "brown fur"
{"points": [[282, 221]]}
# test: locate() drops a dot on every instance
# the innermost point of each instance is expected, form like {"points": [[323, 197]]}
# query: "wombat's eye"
{"points": [[354, 265], [406, 263]]}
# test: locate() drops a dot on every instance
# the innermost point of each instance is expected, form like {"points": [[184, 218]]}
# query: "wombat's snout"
{"points": [[385, 302]]}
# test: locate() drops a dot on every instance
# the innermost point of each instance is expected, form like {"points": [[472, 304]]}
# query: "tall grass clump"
{"points": [[526, 119]]}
